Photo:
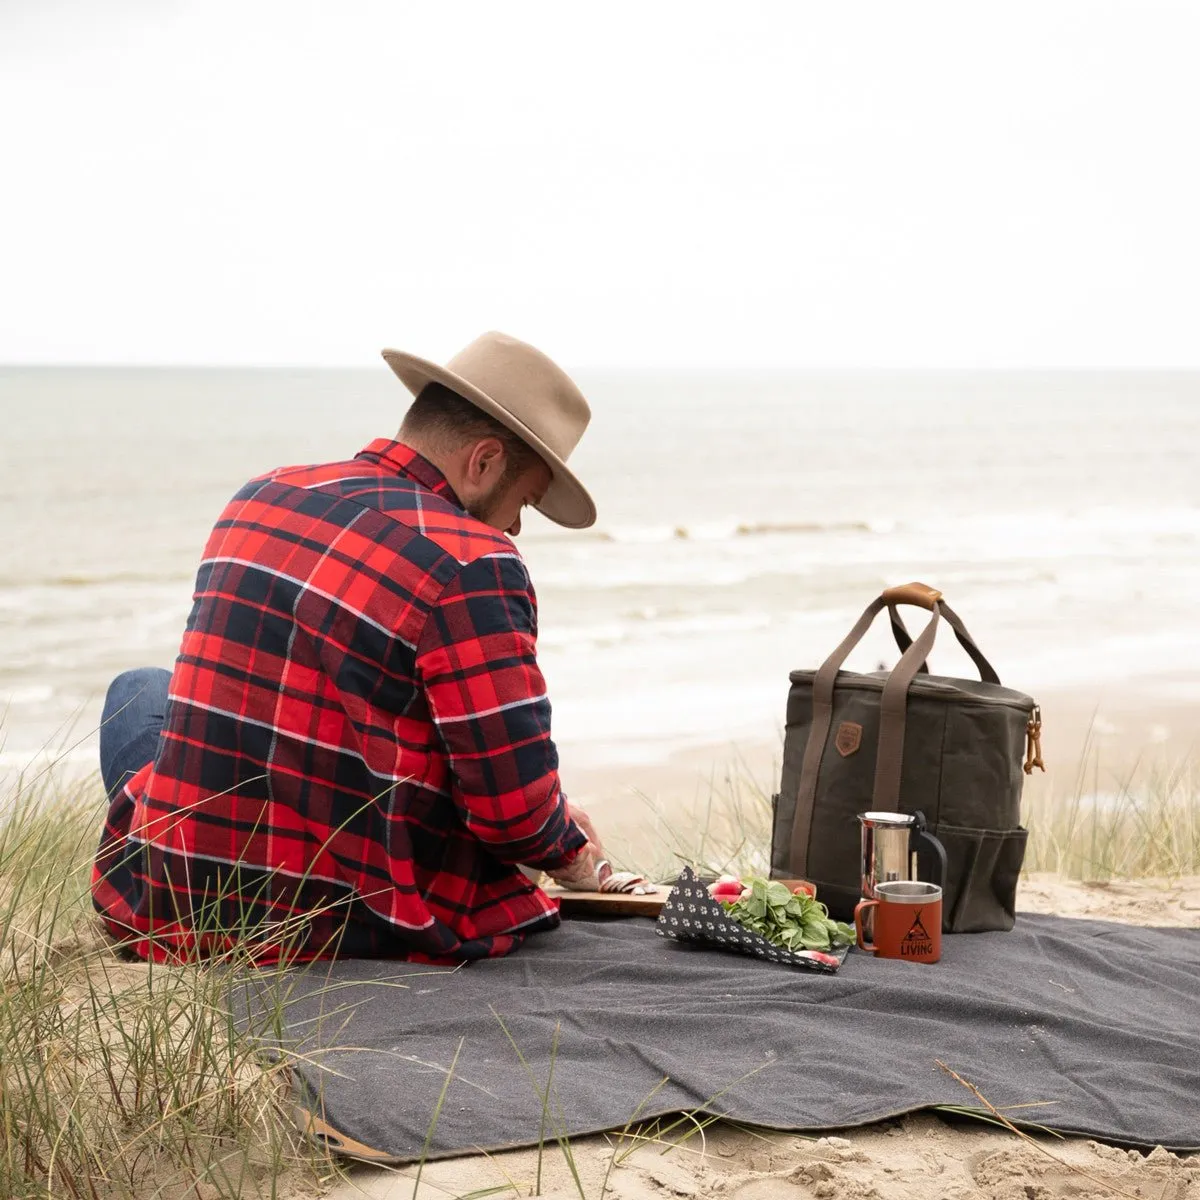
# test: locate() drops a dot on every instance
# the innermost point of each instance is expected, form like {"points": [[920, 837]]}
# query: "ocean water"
{"points": [[745, 521]]}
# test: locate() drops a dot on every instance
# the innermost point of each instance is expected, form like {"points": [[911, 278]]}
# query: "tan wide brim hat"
{"points": [[526, 392]]}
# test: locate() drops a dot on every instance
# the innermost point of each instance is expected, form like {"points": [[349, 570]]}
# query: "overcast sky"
{"points": [[624, 184]]}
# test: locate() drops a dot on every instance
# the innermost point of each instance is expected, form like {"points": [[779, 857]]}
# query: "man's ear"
{"points": [[486, 462]]}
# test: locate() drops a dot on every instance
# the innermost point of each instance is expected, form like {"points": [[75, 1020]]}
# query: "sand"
{"points": [[919, 1157]]}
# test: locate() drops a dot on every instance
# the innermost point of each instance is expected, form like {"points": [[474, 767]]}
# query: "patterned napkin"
{"points": [[692, 915]]}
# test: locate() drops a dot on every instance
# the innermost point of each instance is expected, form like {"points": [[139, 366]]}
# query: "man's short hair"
{"points": [[446, 418]]}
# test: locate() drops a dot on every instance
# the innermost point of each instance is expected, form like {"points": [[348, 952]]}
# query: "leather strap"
{"points": [[818, 735], [901, 634], [893, 716]]}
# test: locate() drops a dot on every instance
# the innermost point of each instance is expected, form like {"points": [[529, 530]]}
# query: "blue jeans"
{"points": [[134, 709]]}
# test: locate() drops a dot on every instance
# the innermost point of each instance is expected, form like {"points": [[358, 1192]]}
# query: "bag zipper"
{"points": [[948, 693]]}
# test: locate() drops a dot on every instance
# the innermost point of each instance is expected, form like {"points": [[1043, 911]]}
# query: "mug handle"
{"points": [[859, 909]]}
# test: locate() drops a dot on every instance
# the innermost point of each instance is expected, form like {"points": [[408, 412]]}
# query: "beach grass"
{"points": [[122, 1079], [1134, 822], [1138, 822], [727, 828]]}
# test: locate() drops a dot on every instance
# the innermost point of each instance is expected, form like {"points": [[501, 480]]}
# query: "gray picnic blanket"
{"points": [[1097, 1023]]}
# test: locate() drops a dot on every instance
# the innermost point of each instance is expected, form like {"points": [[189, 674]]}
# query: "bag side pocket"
{"points": [[982, 869]]}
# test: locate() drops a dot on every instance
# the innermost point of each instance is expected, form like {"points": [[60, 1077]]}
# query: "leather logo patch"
{"points": [[849, 738]]}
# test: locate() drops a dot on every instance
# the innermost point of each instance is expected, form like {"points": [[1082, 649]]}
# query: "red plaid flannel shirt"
{"points": [[356, 751]]}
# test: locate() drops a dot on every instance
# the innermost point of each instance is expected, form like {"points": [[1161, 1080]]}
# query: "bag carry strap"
{"points": [[893, 706], [904, 639], [901, 634]]}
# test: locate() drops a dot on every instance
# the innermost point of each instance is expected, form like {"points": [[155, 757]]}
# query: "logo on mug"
{"points": [[916, 943], [849, 738]]}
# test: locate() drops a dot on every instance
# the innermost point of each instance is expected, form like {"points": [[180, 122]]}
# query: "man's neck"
{"points": [[434, 454]]}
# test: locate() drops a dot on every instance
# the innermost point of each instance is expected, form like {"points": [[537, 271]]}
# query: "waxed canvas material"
{"points": [[964, 744]]}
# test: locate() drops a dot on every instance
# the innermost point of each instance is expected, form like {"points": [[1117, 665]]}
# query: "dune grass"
{"points": [[1137, 823], [119, 1079], [726, 829], [122, 1079]]}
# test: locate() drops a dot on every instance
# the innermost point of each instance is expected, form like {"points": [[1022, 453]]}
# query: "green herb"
{"points": [[792, 922]]}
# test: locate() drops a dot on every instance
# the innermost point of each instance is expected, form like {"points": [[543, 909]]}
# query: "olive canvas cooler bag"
{"points": [[956, 750]]}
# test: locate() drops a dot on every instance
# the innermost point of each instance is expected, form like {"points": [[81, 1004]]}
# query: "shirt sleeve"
{"points": [[477, 663]]}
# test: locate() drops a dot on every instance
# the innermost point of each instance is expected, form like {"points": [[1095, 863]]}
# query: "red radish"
{"points": [[727, 888], [830, 960]]}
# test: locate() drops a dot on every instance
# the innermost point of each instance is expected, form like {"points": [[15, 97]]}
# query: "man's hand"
{"points": [[585, 823], [582, 875]]}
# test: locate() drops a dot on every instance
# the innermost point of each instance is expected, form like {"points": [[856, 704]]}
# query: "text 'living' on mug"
{"points": [[907, 920]]}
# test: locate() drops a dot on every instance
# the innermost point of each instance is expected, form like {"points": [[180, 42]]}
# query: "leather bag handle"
{"points": [[919, 594], [893, 705]]}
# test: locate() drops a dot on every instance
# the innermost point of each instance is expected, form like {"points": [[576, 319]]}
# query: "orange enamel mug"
{"points": [[907, 921]]}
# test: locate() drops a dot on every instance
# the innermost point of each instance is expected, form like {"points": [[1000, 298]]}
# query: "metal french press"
{"points": [[899, 846]]}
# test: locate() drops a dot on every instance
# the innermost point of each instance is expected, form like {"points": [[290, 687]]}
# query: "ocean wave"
{"points": [[1164, 525], [1106, 525], [33, 693], [82, 579], [635, 625], [710, 531]]}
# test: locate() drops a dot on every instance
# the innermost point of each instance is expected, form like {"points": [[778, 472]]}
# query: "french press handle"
{"points": [[929, 852]]}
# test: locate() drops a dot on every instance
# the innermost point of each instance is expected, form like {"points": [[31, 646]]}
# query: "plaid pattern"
{"points": [[356, 750]]}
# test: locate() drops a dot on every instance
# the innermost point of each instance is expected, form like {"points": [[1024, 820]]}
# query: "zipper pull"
{"points": [[1033, 742]]}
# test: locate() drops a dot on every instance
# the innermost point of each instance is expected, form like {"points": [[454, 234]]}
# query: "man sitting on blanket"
{"points": [[353, 753]]}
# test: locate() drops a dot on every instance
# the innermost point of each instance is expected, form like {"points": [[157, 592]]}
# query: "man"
{"points": [[353, 753]]}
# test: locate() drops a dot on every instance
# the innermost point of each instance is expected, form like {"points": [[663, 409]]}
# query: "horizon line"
{"points": [[642, 368]]}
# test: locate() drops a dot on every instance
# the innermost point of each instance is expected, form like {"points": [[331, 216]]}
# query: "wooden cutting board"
{"points": [[612, 904]]}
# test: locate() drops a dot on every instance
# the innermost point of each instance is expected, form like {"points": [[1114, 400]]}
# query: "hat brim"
{"points": [[566, 501]]}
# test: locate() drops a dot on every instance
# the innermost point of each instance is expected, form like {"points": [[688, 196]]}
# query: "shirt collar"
{"points": [[404, 460]]}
